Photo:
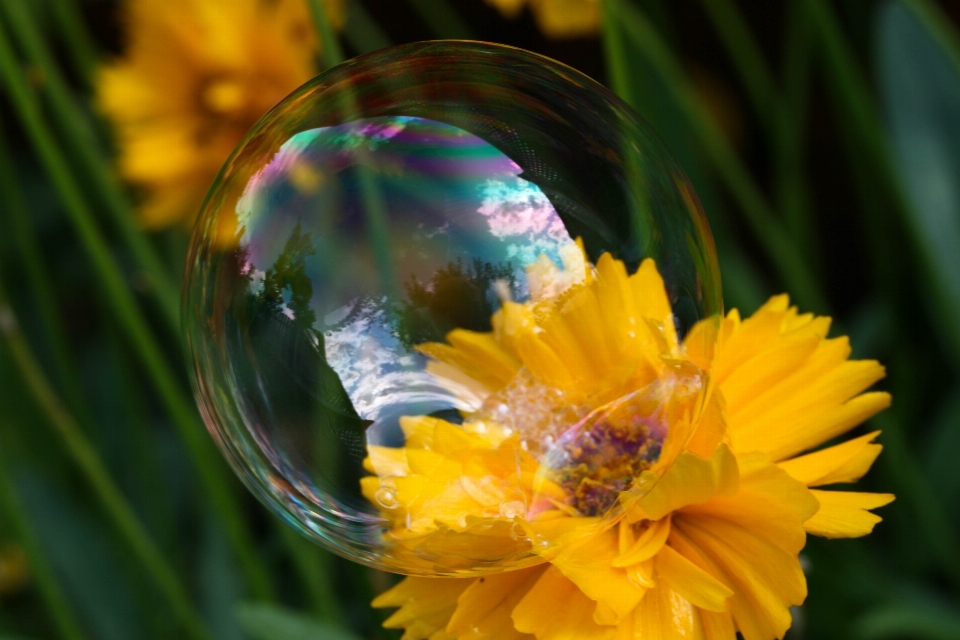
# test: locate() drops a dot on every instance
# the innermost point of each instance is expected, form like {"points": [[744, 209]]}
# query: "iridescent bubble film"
{"points": [[443, 305]]}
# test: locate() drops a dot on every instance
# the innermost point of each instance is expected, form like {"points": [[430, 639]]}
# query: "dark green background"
{"points": [[823, 138]]}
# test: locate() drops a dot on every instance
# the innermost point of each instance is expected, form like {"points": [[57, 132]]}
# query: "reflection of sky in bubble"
{"points": [[448, 195]]}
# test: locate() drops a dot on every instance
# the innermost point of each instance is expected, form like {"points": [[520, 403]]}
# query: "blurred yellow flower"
{"points": [[557, 18], [197, 74]]}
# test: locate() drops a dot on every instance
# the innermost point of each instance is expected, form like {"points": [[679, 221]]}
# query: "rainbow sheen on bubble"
{"points": [[374, 272]]}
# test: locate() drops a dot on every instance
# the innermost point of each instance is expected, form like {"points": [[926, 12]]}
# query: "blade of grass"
{"points": [[362, 31], [313, 564], [276, 623], [748, 59], [912, 487], [852, 95], [41, 284], [442, 19], [780, 249], [931, 519], [70, 24], [206, 461], [908, 620], [81, 141], [89, 463], [375, 209], [791, 131], [782, 113], [40, 571], [322, 593], [332, 51], [615, 54]]}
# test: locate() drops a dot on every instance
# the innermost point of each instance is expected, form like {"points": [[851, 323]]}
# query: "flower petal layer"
{"points": [[846, 462], [787, 387], [555, 609], [845, 514], [426, 605]]}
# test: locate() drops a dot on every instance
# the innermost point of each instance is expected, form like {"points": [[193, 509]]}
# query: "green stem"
{"points": [[780, 249], [332, 51], [83, 53], [83, 144], [89, 463], [40, 571], [747, 58], [442, 19], [205, 460]]}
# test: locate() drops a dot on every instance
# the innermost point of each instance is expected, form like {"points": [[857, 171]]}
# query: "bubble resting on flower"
{"points": [[552, 443]]}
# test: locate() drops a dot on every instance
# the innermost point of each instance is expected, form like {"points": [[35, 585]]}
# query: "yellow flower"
{"points": [[196, 76], [557, 18], [702, 543]]}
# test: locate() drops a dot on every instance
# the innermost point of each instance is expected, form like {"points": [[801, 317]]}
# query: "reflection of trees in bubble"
{"points": [[299, 402], [289, 272], [457, 297]]}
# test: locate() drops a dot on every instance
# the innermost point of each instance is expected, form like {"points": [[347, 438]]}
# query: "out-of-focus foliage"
{"points": [[823, 137]]}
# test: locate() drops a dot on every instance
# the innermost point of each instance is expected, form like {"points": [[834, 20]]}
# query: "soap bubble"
{"points": [[442, 306]]}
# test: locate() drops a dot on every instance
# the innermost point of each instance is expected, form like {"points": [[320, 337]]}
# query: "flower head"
{"points": [[196, 76], [557, 18], [637, 487]]}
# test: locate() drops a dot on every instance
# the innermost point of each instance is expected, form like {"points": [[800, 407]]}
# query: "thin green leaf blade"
{"points": [[919, 621], [269, 622], [920, 90]]}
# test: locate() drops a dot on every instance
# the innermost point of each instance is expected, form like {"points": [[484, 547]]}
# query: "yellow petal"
{"points": [[555, 609], [769, 502], [651, 300], [784, 357], [717, 626], [386, 462], [478, 355], [645, 547], [777, 368], [689, 480], [749, 542], [766, 580], [845, 462], [418, 431], [845, 514], [691, 582], [590, 566], [663, 615], [426, 605], [484, 609]]}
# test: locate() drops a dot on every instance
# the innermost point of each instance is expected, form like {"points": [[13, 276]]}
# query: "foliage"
{"points": [[821, 135]]}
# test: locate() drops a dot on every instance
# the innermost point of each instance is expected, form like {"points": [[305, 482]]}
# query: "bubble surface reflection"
{"points": [[434, 301]]}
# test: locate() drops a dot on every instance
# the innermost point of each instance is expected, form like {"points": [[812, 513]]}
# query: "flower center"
{"points": [[599, 457]]}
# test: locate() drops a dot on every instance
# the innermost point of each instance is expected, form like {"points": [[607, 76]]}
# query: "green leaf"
{"points": [[269, 622], [940, 459], [918, 621], [919, 75], [85, 557]]}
